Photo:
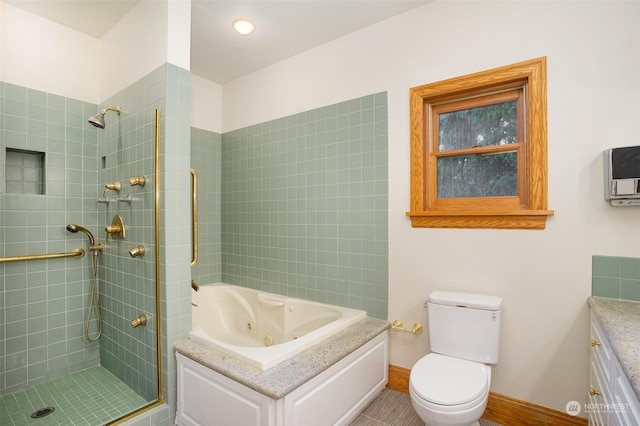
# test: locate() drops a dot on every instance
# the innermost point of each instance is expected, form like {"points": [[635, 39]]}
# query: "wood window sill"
{"points": [[518, 219]]}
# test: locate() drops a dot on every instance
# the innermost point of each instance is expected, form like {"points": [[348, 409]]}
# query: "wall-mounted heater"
{"points": [[622, 176]]}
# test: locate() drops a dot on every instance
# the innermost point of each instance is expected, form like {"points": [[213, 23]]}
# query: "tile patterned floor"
{"points": [[87, 398], [393, 408]]}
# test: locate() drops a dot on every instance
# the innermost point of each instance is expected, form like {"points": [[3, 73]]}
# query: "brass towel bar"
{"points": [[77, 253]]}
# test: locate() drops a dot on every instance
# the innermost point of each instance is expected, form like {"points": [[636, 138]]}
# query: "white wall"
{"points": [[133, 47], [206, 104], [593, 52], [44, 55]]}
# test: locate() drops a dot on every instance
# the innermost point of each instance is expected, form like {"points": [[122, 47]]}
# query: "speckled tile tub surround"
{"points": [[620, 322], [285, 377]]}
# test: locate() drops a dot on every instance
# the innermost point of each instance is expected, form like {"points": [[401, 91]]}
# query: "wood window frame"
{"points": [[529, 209]]}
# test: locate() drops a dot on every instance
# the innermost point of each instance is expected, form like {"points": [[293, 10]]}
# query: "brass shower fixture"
{"points": [[111, 186], [137, 180], [116, 229], [137, 251], [140, 320]]}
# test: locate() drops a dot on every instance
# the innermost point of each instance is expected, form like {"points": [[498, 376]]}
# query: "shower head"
{"points": [[98, 119], [76, 228]]}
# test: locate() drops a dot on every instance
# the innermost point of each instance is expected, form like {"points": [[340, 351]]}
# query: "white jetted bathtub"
{"points": [[263, 329]]}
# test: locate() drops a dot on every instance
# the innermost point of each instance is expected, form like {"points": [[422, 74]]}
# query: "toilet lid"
{"points": [[446, 380]]}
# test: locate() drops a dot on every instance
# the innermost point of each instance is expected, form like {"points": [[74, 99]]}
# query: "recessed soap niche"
{"points": [[24, 172]]}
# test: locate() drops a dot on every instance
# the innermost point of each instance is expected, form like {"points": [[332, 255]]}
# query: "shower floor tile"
{"points": [[87, 398]]}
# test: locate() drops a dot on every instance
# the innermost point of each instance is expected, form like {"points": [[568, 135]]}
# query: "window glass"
{"points": [[482, 175], [489, 125]]}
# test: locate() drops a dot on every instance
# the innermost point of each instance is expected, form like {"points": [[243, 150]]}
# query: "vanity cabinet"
{"points": [[334, 397], [611, 399]]}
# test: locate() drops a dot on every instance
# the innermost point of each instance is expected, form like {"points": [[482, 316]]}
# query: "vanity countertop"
{"points": [[278, 381], [620, 322]]}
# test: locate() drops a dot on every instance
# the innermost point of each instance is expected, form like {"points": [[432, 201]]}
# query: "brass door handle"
{"points": [[593, 392], [594, 342]]}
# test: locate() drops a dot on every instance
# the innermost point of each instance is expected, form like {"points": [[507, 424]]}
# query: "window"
{"points": [[479, 150]]}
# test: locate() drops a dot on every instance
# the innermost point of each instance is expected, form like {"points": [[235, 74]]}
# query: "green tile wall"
{"points": [[175, 224], [43, 303], [25, 172], [305, 205], [126, 149], [616, 277], [206, 161]]}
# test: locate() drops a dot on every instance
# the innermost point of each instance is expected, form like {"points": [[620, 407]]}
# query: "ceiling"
{"points": [[283, 27]]}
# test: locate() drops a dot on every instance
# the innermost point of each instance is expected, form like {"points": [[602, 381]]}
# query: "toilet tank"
{"points": [[465, 325]]}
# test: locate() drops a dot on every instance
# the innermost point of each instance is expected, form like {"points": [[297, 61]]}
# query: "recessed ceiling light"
{"points": [[243, 26]]}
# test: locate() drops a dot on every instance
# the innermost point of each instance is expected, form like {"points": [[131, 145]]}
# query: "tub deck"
{"points": [[288, 375]]}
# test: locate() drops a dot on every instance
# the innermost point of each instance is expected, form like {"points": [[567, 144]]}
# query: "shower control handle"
{"points": [[113, 229], [116, 229]]}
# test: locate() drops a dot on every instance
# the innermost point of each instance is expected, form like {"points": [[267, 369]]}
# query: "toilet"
{"points": [[450, 385]]}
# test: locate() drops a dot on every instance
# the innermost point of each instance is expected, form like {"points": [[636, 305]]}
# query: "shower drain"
{"points": [[42, 412]]}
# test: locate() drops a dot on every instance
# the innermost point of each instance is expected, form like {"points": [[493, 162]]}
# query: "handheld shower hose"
{"points": [[94, 288]]}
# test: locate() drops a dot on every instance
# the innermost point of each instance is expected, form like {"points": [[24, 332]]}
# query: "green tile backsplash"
{"points": [[616, 277], [305, 205]]}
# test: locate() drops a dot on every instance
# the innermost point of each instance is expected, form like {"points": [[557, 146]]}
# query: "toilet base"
{"points": [[472, 424], [466, 417]]}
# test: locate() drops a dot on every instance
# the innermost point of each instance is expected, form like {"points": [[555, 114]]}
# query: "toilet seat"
{"points": [[448, 381]]}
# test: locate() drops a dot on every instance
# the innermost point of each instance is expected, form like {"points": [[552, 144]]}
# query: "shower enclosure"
{"points": [[59, 175]]}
